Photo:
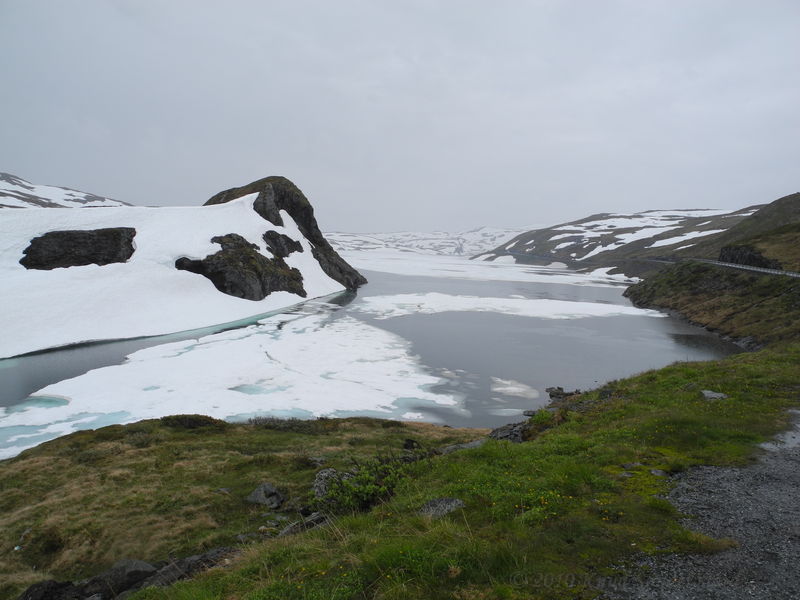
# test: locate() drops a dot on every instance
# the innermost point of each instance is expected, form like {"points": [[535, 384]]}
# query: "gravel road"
{"points": [[759, 507]]}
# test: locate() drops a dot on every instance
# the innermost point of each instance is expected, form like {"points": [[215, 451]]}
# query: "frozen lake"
{"points": [[429, 338]]}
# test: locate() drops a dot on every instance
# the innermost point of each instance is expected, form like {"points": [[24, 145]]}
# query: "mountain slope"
{"points": [[121, 272], [15, 192], [606, 240]]}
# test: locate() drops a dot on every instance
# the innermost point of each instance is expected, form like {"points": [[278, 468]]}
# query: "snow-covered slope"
{"points": [[609, 239], [146, 295], [15, 192], [467, 243]]}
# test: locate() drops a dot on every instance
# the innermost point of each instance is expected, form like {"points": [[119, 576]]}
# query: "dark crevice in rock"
{"points": [[278, 193], [240, 270], [77, 248]]}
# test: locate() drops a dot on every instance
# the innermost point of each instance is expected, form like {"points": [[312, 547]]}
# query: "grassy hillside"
{"points": [[777, 214], [765, 308], [550, 518], [169, 487]]}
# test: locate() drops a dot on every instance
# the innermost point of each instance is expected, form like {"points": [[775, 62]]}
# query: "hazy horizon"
{"points": [[420, 116]]}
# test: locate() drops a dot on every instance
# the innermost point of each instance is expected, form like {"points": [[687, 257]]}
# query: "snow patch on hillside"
{"points": [[146, 295], [15, 192]]}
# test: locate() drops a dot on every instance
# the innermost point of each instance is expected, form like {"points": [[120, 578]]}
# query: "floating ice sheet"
{"points": [[289, 365], [453, 267], [386, 307]]}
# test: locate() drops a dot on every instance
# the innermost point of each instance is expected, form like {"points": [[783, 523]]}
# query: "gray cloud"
{"points": [[409, 115]]}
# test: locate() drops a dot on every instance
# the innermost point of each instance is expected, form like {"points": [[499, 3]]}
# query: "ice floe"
{"points": [[453, 267], [305, 366], [389, 306]]}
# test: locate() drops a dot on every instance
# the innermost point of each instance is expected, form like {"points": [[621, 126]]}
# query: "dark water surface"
{"points": [[469, 351]]}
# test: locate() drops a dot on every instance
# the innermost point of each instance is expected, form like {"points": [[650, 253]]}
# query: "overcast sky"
{"points": [[407, 114]]}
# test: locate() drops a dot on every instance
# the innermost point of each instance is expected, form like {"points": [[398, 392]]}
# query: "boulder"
{"points": [[315, 519], [267, 495], [69, 248], [277, 194], [124, 575], [513, 432], [709, 395], [464, 446], [240, 270], [52, 590], [747, 255], [324, 479], [281, 245], [558, 393], [440, 507], [186, 567]]}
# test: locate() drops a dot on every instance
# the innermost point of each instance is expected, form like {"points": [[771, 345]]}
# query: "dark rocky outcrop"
{"points": [[512, 432], [240, 270], [747, 255], [267, 495], [278, 193], [281, 245], [125, 577], [315, 519], [76, 248]]}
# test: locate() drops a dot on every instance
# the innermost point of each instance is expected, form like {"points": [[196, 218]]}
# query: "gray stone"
{"points": [[186, 567], [324, 479], [240, 270], [513, 432], [122, 576], [280, 244], [315, 519], [439, 507], [658, 472], [267, 495], [465, 446], [632, 465], [61, 249], [709, 395]]}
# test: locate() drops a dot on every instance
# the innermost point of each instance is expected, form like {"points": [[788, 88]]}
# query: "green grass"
{"points": [[735, 303], [169, 487], [548, 518]]}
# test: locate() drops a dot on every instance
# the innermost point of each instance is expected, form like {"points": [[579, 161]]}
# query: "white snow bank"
{"points": [[453, 267], [386, 307], [288, 365], [146, 295]]}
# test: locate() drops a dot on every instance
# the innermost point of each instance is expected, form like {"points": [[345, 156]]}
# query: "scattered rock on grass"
{"points": [[267, 495], [709, 395], [439, 507]]}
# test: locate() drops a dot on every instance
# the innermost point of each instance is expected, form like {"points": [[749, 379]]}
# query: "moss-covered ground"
{"points": [[170, 487], [549, 518]]}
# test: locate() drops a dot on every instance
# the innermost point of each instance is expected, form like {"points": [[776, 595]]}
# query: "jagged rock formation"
{"points": [[747, 255], [278, 193], [281, 245], [59, 249], [240, 270]]}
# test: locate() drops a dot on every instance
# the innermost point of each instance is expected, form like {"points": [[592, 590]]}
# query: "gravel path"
{"points": [[759, 507]]}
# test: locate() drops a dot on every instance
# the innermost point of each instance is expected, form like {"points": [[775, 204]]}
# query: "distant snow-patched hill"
{"points": [[15, 192], [467, 243], [610, 239]]}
